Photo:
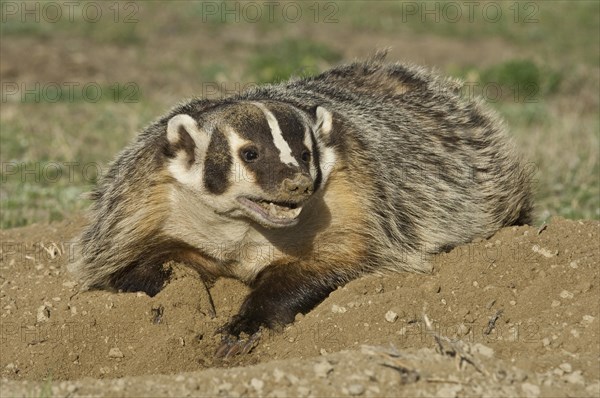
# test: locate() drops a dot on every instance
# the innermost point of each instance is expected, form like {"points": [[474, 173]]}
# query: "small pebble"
{"points": [[43, 313], [322, 369], [566, 367], [433, 287], [224, 387], [555, 303], [530, 390], [575, 377], [593, 389], [583, 287], [574, 333], [293, 379], [588, 318], [558, 372], [483, 350], [278, 374], [391, 316], [356, 389], [257, 384], [566, 294], [115, 353], [12, 367], [336, 309], [543, 251]]}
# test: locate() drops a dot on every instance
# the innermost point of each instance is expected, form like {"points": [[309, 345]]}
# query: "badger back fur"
{"points": [[296, 188]]}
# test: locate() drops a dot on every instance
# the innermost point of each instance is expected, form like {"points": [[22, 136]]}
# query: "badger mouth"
{"points": [[271, 213]]}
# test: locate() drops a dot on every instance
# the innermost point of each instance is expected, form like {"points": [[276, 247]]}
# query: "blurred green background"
{"points": [[79, 83]]}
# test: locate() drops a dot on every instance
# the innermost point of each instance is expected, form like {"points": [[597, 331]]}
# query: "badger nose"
{"points": [[301, 184]]}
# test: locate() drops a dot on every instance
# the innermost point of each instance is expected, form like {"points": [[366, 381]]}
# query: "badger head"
{"points": [[261, 161]]}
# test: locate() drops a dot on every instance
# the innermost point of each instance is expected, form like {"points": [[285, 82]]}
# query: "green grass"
{"points": [[287, 58], [515, 80], [563, 155], [52, 191], [547, 26], [524, 77], [48, 163], [557, 131], [549, 83], [116, 23]]}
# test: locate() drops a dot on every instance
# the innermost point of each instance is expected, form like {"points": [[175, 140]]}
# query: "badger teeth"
{"points": [[276, 214], [281, 212]]}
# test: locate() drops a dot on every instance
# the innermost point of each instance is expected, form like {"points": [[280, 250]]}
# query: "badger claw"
{"points": [[231, 345]]}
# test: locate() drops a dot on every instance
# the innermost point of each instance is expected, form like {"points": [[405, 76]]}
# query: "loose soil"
{"points": [[516, 314]]}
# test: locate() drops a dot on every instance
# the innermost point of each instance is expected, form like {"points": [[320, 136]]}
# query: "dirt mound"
{"points": [[520, 309]]}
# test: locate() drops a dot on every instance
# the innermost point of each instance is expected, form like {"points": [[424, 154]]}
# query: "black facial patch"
{"points": [[217, 164]]}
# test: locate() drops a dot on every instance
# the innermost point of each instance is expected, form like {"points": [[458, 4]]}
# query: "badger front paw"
{"points": [[233, 337], [278, 294]]}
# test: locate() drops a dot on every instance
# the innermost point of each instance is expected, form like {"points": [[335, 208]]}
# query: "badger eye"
{"points": [[305, 156], [249, 154]]}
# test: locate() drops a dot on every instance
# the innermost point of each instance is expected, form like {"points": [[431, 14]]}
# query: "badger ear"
{"points": [[324, 122], [323, 127], [185, 138], [181, 128]]}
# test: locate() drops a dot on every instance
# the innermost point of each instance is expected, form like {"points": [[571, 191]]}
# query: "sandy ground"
{"points": [[514, 315]]}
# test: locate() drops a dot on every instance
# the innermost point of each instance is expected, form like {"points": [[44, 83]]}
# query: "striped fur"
{"points": [[388, 163]]}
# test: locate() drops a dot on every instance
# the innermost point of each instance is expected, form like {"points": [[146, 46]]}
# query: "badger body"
{"points": [[298, 187]]}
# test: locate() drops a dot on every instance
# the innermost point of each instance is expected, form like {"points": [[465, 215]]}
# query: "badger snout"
{"points": [[300, 185]]}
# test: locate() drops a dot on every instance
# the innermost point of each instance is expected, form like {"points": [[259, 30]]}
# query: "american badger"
{"points": [[298, 187]]}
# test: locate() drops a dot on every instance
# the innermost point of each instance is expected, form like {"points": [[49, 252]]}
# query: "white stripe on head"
{"points": [[285, 152]]}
